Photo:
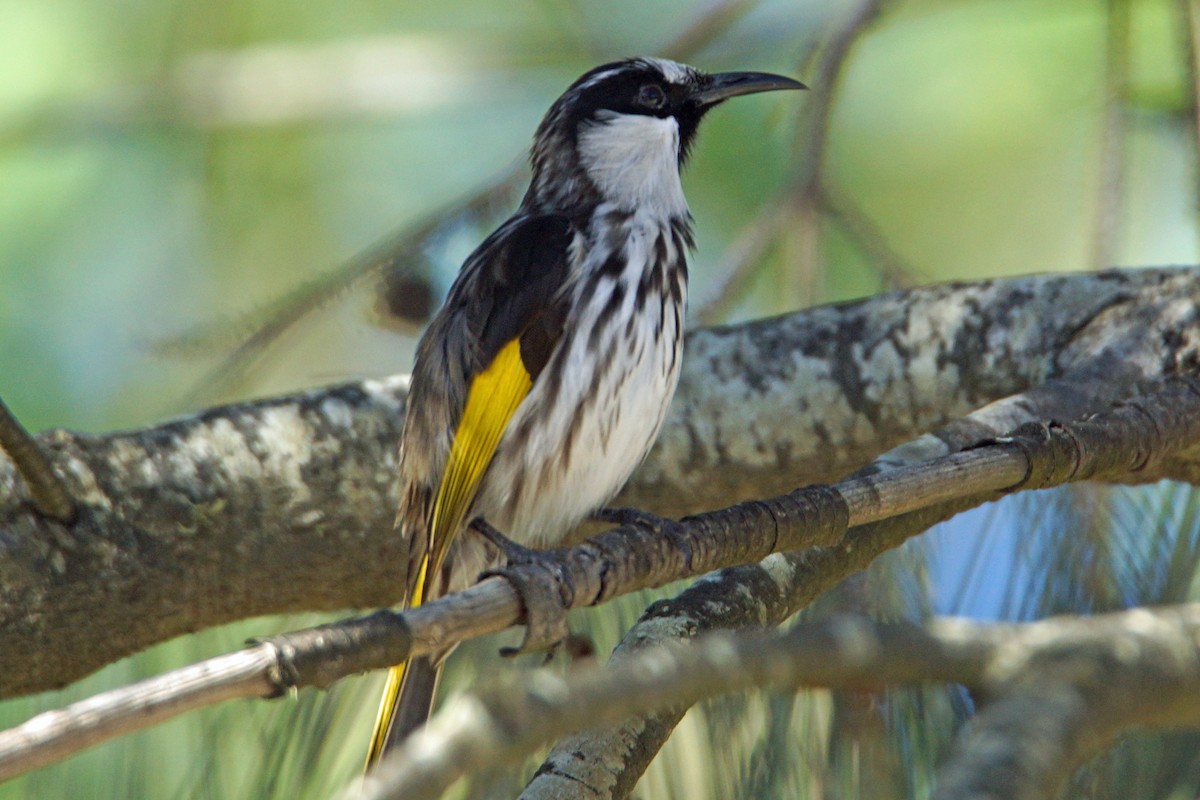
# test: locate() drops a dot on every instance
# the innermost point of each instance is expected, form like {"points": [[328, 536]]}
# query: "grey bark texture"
{"points": [[1112, 352], [286, 504]]}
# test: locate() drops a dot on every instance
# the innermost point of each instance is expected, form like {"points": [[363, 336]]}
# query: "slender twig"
{"points": [[499, 727], [591, 763], [896, 271], [799, 194], [824, 85], [46, 488], [399, 254], [1064, 689], [1189, 28], [739, 263], [55, 735], [1112, 157], [804, 189], [709, 23]]}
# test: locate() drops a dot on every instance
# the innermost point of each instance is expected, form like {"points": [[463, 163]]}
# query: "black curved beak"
{"points": [[732, 84]]}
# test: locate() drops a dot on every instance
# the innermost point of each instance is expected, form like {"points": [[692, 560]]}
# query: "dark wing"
{"points": [[510, 288]]}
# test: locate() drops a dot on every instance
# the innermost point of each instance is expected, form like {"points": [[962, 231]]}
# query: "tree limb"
{"points": [[1072, 682], [1061, 690], [1133, 437], [607, 762], [286, 504]]}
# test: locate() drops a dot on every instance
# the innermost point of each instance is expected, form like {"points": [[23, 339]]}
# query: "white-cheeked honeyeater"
{"points": [[543, 380]]}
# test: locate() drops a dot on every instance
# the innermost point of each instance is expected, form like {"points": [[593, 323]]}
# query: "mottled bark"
{"points": [[238, 511], [286, 504], [1098, 365], [774, 403]]}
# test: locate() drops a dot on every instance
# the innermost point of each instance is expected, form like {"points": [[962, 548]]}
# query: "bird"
{"points": [[544, 378]]}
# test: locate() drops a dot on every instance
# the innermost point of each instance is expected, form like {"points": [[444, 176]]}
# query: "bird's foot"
{"points": [[545, 602], [672, 529], [513, 553]]}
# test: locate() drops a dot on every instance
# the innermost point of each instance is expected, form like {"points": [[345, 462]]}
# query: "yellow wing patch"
{"points": [[491, 402]]}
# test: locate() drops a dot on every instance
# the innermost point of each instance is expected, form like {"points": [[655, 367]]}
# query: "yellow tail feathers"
{"points": [[387, 710], [492, 400], [395, 682]]}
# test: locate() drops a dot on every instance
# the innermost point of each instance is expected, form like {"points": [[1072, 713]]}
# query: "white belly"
{"points": [[610, 405]]}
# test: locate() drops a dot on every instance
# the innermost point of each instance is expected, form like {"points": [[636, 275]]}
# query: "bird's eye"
{"points": [[651, 96]]}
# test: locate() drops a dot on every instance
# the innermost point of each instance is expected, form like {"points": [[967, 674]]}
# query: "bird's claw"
{"points": [[545, 605], [513, 553]]}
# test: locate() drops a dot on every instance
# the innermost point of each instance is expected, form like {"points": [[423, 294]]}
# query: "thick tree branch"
{"points": [[287, 504], [243, 510]]}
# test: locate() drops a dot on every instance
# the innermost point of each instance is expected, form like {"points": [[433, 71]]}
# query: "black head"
{"points": [[639, 86], [655, 87]]}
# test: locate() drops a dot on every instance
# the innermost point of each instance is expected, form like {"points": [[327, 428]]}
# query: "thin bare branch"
{"points": [[46, 490], [798, 197], [1130, 438], [709, 23], [314, 657], [1062, 690], [55, 735], [739, 263], [1039, 668], [833, 59], [1189, 27], [399, 257], [479, 731], [896, 271], [607, 762], [1105, 228]]}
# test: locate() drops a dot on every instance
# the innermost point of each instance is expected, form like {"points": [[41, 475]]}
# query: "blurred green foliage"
{"points": [[167, 165]]}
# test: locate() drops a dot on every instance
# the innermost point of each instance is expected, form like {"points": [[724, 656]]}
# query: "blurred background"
{"points": [[208, 201]]}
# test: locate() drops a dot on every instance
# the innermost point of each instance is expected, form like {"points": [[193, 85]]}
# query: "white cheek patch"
{"points": [[634, 161]]}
